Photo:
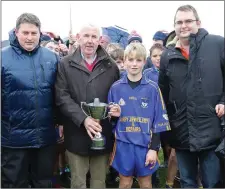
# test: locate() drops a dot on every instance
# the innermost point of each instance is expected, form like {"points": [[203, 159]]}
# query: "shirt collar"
{"points": [[93, 58], [125, 80]]}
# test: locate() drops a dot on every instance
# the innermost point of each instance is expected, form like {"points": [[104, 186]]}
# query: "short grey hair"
{"points": [[28, 18], [90, 25], [187, 8]]}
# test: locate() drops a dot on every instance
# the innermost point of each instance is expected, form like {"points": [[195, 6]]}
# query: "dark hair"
{"points": [[187, 8], [28, 18], [156, 46], [117, 54]]}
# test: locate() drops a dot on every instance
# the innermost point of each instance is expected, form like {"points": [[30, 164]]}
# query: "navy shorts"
{"points": [[129, 160]]}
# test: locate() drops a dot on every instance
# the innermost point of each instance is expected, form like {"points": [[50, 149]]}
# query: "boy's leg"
{"points": [[123, 161], [98, 170], [164, 137], [79, 166], [172, 169], [125, 181], [145, 182]]}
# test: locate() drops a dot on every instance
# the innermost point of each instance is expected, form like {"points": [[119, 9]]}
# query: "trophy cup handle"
{"points": [[107, 116], [81, 105]]}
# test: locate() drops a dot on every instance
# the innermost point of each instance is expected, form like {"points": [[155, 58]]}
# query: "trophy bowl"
{"points": [[98, 111]]}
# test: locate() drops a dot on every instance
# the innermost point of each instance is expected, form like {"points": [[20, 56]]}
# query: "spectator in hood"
{"points": [[104, 41], [51, 45], [194, 97], [28, 134], [134, 37]]}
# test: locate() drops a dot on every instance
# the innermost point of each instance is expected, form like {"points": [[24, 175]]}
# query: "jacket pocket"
{"points": [[178, 114]]}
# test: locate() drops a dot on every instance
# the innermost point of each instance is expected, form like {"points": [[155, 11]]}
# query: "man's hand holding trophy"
{"points": [[97, 111]]}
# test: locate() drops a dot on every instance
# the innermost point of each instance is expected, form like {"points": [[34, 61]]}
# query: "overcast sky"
{"points": [[146, 17]]}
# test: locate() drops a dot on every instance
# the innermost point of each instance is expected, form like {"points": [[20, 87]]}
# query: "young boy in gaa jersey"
{"points": [[142, 116]]}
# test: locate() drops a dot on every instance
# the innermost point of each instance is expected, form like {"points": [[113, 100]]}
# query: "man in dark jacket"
{"points": [[192, 82], [82, 76], [27, 120]]}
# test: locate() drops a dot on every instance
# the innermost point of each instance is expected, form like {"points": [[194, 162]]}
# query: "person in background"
{"points": [[72, 43], [155, 55], [118, 56], [51, 45], [194, 96], [28, 116], [158, 37], [55, 37], [134, 37], [63, 50], [104, 41], [112, 46]]}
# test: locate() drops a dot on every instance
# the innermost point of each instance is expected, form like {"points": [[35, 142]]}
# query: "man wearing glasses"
{"points": [[192, 79]]}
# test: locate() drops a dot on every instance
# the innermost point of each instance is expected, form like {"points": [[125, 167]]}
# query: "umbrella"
{"points": [[117, 34]]}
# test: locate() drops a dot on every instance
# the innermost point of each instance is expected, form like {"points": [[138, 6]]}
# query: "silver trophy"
{"points": [[98, 111]]}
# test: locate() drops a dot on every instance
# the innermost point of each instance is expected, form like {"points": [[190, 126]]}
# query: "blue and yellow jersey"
{"points": [[151, 74], [143, 111]]}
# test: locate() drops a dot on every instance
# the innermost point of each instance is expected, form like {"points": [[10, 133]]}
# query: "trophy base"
{"points": [[98, 144], [97, 148]]}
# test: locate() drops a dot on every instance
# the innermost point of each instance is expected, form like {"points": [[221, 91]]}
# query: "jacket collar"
{"points": [[173, 39], [124, 80], [77, 57]]}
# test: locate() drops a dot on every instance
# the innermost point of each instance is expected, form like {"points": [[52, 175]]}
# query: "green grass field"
{"points": [[162, 172]]}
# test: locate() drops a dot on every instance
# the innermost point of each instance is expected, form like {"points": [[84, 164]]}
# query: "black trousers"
{"points": [[23, 167]]}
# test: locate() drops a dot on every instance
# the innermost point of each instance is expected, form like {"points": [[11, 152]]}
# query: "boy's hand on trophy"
{"points": [[92, 126], [114, 110]]}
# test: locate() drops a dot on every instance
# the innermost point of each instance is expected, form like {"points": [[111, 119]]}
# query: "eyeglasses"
{"points": [[186, 22]]}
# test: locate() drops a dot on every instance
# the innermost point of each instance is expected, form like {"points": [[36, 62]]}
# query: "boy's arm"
{"points": [[113, 120], [160, 120], [155, 142]]}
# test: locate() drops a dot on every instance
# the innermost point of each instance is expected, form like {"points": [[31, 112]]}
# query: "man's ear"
{"points": [[199, 23], [16, 31]]}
